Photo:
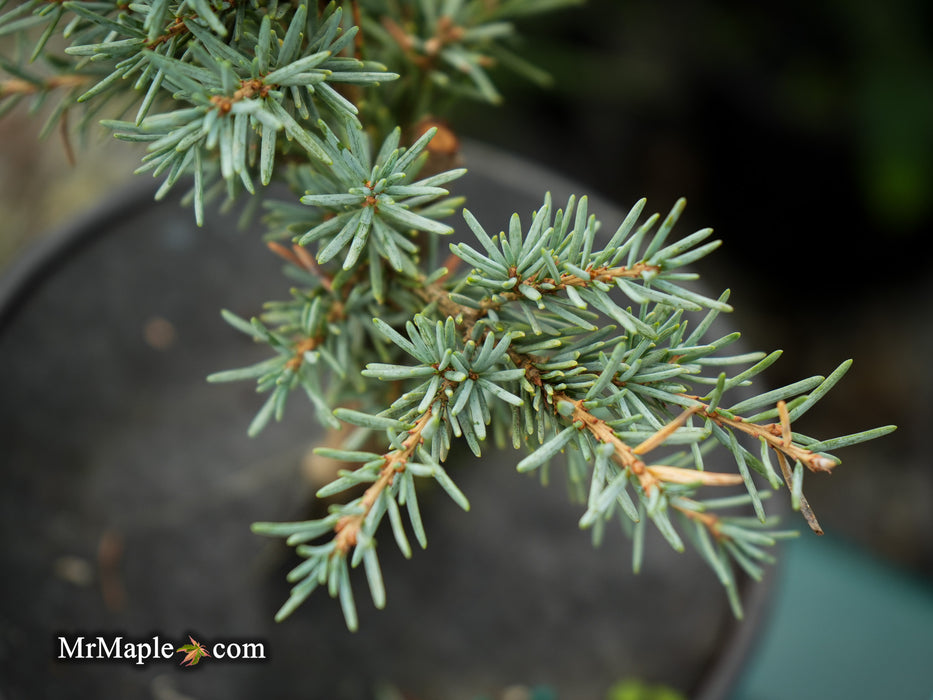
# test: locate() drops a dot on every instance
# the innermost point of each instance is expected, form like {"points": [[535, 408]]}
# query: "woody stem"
{"points": [[348, 527]]}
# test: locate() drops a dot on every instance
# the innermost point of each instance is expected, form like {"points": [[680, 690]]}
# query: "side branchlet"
{"points": [[552, 338], [521, 344]]}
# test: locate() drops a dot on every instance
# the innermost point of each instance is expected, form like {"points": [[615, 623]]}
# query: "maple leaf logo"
{"points": [[195, 652]]}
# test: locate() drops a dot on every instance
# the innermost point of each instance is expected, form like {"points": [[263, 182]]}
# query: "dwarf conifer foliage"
{"points": [[574, 343]]}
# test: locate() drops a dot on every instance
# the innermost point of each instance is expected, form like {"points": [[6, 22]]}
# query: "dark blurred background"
{"points": [[802, 132]]}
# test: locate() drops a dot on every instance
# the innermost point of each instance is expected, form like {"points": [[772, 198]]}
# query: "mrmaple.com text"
{"points": [[141, 651]]}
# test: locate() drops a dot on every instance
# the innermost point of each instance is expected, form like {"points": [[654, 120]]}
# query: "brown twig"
{"points": [[777, 435], [358, 44], [779, 438], [665, 432], [446, 32], [301, 347], [600, 274], [174, 29], [650, 476], [710, 521], [253, 87], [805, 508], [348, 527], [404, 40], [17, 86], [301, 258], [436, 292]]}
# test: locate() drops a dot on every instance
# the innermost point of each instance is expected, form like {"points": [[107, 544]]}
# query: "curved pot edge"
{"points": [[43, 256]]}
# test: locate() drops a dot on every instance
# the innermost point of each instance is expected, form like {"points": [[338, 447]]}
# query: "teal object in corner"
{"points": [[843, 625]]}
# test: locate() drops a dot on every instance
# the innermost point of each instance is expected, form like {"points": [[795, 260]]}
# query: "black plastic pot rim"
{"points": [[43, 258]]}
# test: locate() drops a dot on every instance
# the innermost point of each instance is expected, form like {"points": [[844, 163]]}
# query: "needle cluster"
{"points": [[574, 345]]}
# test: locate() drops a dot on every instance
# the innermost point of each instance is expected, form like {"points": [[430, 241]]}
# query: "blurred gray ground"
{"points": [[40, 190], [802, 134]]}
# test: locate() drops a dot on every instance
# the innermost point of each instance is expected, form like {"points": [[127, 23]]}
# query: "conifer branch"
{"points": [[597, 396], [348, 527], [568, 343]]}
